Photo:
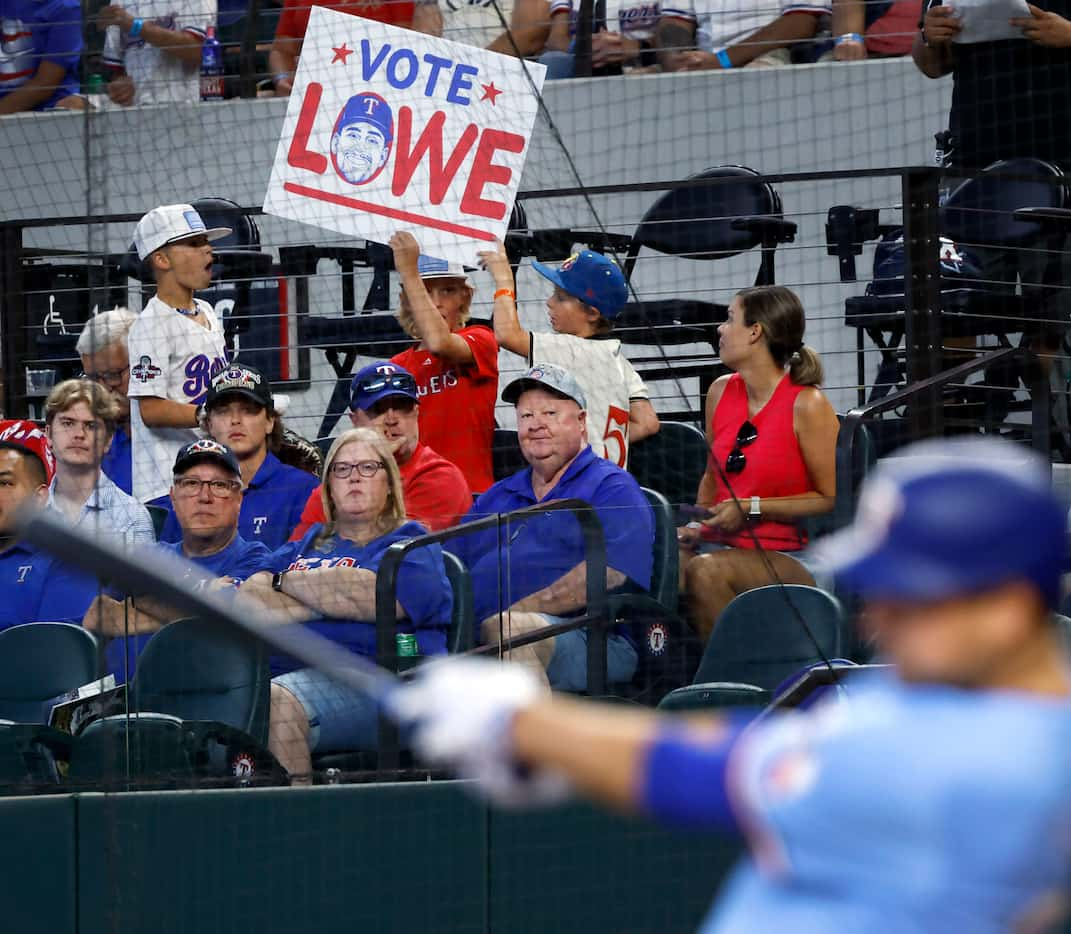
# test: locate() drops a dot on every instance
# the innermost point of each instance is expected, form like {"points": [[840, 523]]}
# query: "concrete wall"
{"points": [[616, 130]]}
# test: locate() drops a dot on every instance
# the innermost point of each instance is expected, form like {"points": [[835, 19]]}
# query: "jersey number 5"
{"points": [[615, 437]]}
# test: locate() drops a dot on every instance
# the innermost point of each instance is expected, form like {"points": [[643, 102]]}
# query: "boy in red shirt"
{"points": [[455, 366]]}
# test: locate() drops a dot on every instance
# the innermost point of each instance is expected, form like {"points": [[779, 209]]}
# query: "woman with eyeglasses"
{"points": [[773, 437], [327, 581]]}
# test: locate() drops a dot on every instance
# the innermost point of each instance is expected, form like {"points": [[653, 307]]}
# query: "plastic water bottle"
{"points": [[112, 56], [211, 67]]}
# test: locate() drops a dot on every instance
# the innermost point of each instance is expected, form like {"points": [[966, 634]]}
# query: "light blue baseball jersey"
{"points": [[903, 809]]}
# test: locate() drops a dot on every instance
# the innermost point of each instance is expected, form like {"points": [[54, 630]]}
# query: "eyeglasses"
{"points": [[401, 381], [737, 460], [220, 489], [366, 469], [107, 376]]}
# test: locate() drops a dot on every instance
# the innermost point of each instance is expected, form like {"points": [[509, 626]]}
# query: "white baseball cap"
{"points": [[170, 223]]}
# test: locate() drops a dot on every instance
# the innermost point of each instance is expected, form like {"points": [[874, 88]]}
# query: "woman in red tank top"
{"points": [[773, 437]]}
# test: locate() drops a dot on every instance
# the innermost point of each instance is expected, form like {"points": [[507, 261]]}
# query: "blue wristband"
{"points": [[850, 37], [135, 30], [723, 58]]}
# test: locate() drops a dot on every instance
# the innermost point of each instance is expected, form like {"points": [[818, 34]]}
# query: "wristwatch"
{"points": [[277, 581], [755, 511]]}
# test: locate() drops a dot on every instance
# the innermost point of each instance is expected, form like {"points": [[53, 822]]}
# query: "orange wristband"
{"points": [[508, 292]]}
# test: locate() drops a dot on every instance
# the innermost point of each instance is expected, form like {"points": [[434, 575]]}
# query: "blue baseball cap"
{"points": [[952, 518], [367, 108], [378, 381], [592, 278], [197, 452]]}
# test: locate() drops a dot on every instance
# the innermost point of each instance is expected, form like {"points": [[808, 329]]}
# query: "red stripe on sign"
{"points": [[393, 213]]}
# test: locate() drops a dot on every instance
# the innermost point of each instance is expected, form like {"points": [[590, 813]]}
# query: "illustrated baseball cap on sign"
{"points": [[170, 223], [378, 381], [240, 380], [592, 278], [952, 518], [431, 268], [549, 376], [198, 452], [24, 435]]}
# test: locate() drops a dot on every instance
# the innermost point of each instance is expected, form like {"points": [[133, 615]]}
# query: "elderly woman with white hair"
{"points": [[102, 348], [327, 581]]}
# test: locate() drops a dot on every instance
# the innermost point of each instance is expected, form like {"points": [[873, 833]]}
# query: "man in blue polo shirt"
{"points": [[529, 574], [239, 411], [35, 586], [207, 496]]}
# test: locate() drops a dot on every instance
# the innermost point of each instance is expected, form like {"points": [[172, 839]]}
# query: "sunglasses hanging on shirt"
{"points": [[737, 459]]}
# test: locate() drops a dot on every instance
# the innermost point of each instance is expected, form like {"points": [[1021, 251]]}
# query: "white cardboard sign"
{"points": [[388, 129]]}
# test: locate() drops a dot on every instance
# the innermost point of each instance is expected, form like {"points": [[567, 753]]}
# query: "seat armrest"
{"points": [[775, 229], [1059, 218]]}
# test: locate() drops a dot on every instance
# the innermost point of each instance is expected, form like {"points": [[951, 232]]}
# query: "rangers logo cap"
{"points": [[591, 278], [240, 380], [547, 376], [171, 223], [205, 449]]}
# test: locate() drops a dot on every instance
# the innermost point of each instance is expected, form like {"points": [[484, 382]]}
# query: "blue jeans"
{"points": [[339, 717], [559, 65], [568, 668]]}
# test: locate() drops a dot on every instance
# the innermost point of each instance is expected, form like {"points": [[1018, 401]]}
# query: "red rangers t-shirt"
{"points": [[295, 16], [457, 403]]}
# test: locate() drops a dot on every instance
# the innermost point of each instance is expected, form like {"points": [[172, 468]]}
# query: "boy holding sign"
{"points": [[589, 292], [455, 365]]}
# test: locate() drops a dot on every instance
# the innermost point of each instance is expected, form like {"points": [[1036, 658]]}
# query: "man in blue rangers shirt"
{"points": [[937, 799], [239, 411], [533, 572], [207, 494], [36, 587]]}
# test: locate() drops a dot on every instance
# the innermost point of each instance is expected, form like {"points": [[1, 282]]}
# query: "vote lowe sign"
{"points": [[390, 130]]}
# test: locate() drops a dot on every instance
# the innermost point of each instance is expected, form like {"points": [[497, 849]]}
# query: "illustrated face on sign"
{"points": [[361, 141]]}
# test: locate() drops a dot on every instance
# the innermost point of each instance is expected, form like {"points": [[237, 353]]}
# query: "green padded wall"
{"points": [[37, 872], [579, 870], [398, 858]]}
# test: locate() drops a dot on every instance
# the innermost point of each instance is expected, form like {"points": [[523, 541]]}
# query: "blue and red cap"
{"points": [[949, 519], [379, 380], [206, 450], [592, 278]]}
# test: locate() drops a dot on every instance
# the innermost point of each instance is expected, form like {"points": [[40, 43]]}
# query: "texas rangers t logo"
{"points": [[259, 521], [24, 569]]}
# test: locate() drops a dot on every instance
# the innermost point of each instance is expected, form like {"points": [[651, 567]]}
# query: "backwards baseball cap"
{"points": [[592, 278], [240, 380], [206, 451], [545, 376], [431, 268], [171, 223], [952, 518], [23, 435], [378, 381]]}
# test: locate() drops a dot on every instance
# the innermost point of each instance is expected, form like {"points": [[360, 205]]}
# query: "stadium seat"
{"points": [[38, 663], [195, 670], [30, 754], [460, 636], [759, 638], [668, 648], [158, 514], [714, 697], [982, 212], [506, 454], [671, 461]]}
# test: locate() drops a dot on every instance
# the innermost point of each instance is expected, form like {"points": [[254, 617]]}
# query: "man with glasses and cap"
{"points": [[177, 342], [206, 490], [532, 574], [383, 396], [239, 412]]}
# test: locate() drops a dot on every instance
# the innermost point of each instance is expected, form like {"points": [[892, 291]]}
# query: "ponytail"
{"points": [[805, 367]]}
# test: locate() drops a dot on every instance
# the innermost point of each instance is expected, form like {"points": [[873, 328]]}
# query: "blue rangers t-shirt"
{"points": [[116, 462], [36, 31], [271, 504], [903, 809], [37, 588], [423, 589], [237, 561], [520, 558]]}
